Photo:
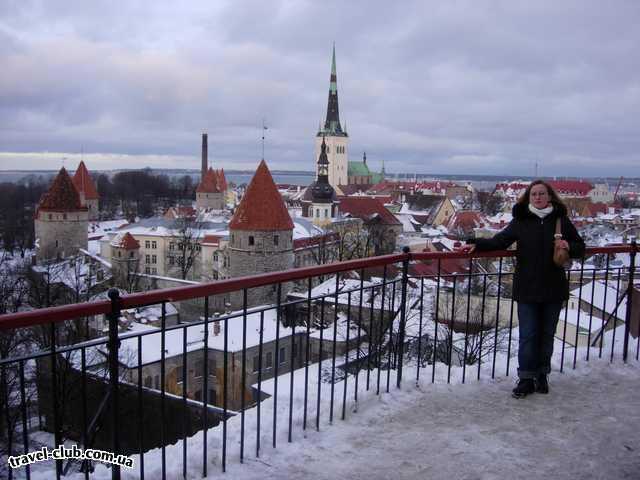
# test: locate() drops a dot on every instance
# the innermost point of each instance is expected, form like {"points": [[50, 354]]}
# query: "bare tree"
{"points": [[187, 250]]}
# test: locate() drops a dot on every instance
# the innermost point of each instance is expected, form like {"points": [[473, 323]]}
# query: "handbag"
{"points": [[560, 255]]}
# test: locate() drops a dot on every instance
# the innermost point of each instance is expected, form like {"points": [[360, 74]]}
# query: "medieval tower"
{"points": [[261, 237], [125, 260], [336, 138], [87, 189], [209, 193], [61, 220]]}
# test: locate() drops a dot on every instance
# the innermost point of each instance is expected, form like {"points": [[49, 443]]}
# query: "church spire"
{"points": [[321, 191], [332, 123]]}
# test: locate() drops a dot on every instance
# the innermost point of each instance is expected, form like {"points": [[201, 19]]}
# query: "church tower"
{"points": [[318, 203], [336, 138]]}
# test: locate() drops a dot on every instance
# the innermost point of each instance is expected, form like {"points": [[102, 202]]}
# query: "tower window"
{"points": [[276, 239], [251, 240]]}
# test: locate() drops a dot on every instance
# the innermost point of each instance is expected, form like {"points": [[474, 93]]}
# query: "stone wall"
{"points": [[60, 234], [261, 257], [210, 200]]}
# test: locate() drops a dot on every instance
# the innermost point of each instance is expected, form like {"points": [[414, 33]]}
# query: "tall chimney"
{"points": [[205, 155]]}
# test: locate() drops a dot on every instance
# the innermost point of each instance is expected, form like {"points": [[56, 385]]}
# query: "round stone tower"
{"points": [[209, 193], [261, 237], [61, 221], [125, 260]]}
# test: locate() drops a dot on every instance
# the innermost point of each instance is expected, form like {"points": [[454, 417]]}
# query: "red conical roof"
{"points": [[84, 183], [222, 180], [209, 183], [128, 242], [261, 207], [62, 196]]}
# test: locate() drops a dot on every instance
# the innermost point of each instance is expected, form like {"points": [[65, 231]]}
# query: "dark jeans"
{"points": [[537, 326]]}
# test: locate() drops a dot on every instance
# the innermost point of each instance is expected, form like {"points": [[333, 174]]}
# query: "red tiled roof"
{"points": [[128, 242], [571, 187], [466, 220], [448, 266], [261, 207], [84, 183], [211, 239], [62, 196], [366, 208], [511, 186], [209, 182], [595, 208], [300, 243], [222, 180]]}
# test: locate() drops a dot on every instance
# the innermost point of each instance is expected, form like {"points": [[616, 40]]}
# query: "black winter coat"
{"points": [[537, 278]]}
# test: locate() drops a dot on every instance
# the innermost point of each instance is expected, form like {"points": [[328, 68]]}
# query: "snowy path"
{"points": [[587, 427]]}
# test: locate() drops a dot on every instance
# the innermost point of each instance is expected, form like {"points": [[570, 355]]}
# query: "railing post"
{"points": [[627, 322], [403, 313], [114, 344]]}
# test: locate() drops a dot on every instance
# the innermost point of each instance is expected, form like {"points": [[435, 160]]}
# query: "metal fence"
{"points": [[345, 327]]}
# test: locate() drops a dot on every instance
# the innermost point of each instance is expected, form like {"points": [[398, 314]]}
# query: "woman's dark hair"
{"points": [[553, 196]]}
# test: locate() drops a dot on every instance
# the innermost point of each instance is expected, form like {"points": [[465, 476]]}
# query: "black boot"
{"points": [[542, 385], [525, 387]]}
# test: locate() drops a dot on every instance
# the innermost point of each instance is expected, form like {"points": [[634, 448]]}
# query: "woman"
{"points": [[539, 286]]}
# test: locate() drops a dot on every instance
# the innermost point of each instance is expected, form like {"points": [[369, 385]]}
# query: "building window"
{"points": [[119, 252], [256, 363], [147, 244], [215, 257], [251, 240], [171, 260], [148, 381], [154, 244], [325, 213], [172, 245], [154, 271], [147, 259], [276, 240], [157, 381], [154, 259], [131, 255], [147, 270], [283, 357], [269, 359]]}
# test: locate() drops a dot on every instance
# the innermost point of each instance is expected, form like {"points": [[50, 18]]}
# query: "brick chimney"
{"points": [[205, 155]]}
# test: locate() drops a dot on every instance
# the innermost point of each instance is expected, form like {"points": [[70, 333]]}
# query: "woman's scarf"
{"points": [[541, 212]]}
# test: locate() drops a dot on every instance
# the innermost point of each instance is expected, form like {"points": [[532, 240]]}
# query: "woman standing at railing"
{"points": [[539, 286]]}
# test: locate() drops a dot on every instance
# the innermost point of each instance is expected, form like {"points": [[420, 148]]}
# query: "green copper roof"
{"points": [[359, 169]]}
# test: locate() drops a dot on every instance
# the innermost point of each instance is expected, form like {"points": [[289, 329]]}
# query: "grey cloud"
{"points": [[428, 86]]}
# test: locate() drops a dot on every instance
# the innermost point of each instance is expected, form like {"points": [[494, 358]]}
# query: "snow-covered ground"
{"points": [[587, 427]]}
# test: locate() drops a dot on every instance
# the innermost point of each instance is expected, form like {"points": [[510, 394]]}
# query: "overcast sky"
{"points": [[475, 87]]}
